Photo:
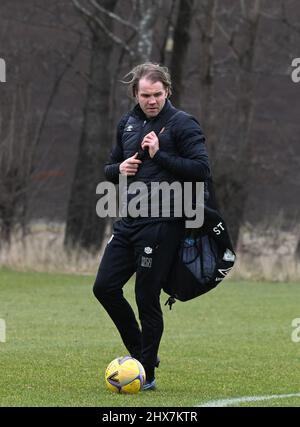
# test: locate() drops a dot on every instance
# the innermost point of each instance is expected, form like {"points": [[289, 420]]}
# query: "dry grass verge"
{"points": [[263, 254]]}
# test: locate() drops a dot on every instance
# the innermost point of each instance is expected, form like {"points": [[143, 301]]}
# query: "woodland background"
{"points": [[230, 62]]}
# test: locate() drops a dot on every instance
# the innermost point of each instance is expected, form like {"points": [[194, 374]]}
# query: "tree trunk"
{"points": [[148, 16], [207, 26], [181, 42], [84, 227], [233, 185]]}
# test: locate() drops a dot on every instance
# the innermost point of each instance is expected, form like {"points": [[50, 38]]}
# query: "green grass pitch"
{"points": [[232, 342]]}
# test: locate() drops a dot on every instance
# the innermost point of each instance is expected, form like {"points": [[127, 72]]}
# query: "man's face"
{"points": [[151, 97]]}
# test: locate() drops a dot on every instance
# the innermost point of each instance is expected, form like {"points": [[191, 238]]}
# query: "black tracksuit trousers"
{"points": [[147, 249]]}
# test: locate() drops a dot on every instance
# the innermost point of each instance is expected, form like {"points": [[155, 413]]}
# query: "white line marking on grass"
{"points": [[227, 402]]}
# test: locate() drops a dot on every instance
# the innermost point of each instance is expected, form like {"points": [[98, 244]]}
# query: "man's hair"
{"points": [[150, 71]]}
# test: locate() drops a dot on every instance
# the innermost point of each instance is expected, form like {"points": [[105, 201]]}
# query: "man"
{"points": [[155, 143]]}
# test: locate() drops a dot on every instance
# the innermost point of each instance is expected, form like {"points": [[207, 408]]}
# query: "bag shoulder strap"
{"points": [[159, 124], [157, 127]]}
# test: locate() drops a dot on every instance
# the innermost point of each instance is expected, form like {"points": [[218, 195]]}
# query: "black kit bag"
{"points": [[204, 258], [205, 255]]}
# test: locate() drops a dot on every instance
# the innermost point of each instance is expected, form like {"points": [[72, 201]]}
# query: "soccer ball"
{"points": [[125, 375]]}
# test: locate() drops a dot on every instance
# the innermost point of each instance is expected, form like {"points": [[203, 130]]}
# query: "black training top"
{"points": [[182, 155]]}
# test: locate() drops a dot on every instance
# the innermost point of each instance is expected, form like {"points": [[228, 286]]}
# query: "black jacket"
{"points": [[182, 154]]}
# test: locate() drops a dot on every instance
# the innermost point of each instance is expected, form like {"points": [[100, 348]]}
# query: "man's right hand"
{"points": [[130, 166]]}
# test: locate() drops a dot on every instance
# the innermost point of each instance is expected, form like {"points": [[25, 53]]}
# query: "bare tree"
{"points": [[84, 228], [148, 12], [181, 40], [166, 37], [233, 180], [16, 153], [228, 41], [206, 20], [21, 128]]}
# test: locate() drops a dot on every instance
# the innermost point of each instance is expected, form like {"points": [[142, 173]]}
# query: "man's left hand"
{"points": [[151, 142]]}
